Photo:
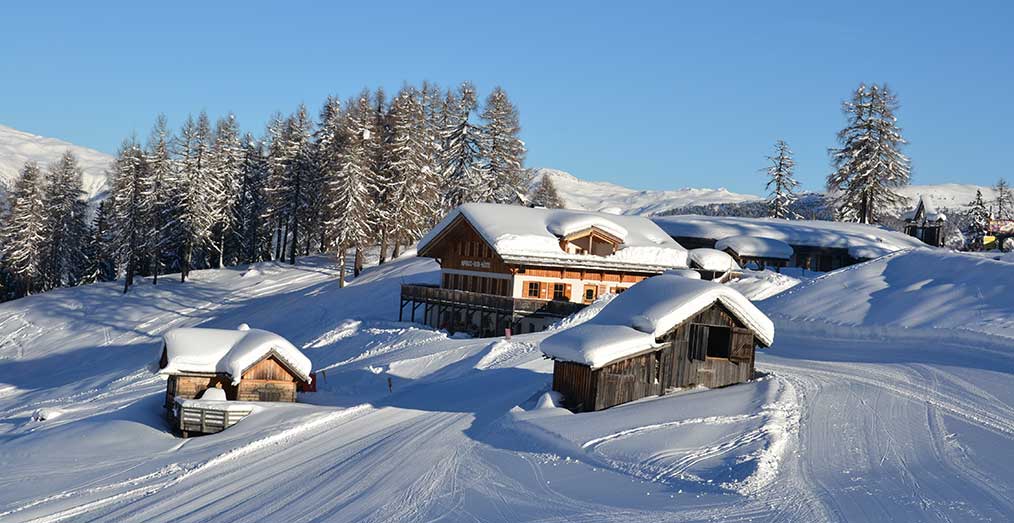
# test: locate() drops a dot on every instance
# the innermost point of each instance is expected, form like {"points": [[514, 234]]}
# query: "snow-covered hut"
{"points": [[247, 364], [817, 245], [713, 264], [666, 332], [756, 250], [925, 222], [508, 266]]}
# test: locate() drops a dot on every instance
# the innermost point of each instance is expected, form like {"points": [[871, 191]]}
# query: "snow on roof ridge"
{"points": [[228, 352], [756, 247], [522, 233], [633, 320]]}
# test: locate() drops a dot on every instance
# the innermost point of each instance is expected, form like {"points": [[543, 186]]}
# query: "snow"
{"points": [[761, 285], [532, 235], [228, 351], [756, 247], [862, 411], [18, 147], [930, 212], [632, 322], [810, 233], [615, 199], [712, 260]]}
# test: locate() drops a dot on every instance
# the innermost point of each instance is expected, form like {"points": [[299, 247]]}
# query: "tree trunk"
{"points": [[397, 250], [358, 264], [341, 266], [383, 247], [129, 277], [278, 238], [295, 240]]}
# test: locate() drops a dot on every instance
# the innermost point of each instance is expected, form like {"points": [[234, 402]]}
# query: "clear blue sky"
{"points": [[649, 95]]}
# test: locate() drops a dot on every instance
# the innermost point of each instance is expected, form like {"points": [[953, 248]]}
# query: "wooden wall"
{"points": [[461, 247], [575, 382], [189, 387], [267, 380], [626, 380]]}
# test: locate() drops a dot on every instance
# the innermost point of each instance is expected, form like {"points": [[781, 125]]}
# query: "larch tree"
{"points": [[463, 171], [158, 192], [1004, 200], [979, 214], [869, 164], [131, 209], [252, 233], [22, 238], [503, 151], [225, 165], [414, 196], [194, 192], [66, 224], [351, 189], [545, 194], [781, 183]]}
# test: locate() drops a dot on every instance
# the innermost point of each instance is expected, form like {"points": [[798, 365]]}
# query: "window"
{"points": [[709, 341], [533, 289], [589, 293], [619, 290], [559, 291]]}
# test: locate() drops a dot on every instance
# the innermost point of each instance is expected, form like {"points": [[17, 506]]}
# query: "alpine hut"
{"points": [[247, 364], [666, 332], [925, 222]]}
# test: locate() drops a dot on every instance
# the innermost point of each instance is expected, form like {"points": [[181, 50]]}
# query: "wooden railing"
{"points": [[504, 304]]}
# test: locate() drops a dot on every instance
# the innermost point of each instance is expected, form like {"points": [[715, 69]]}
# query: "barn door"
{"points": [[742, 345]]}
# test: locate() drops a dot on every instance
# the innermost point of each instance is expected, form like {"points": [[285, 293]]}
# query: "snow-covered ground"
{"points": [[851, 420], [18, 147]]}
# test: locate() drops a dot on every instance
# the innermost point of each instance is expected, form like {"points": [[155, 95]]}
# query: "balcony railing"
{"points": [[478, 300]]}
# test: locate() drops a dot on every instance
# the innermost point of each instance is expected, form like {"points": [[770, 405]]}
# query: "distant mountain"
{"points": [[18, 147], [582, 194]]}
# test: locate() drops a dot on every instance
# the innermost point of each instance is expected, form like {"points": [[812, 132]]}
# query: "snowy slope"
{"points": [[582, 194], [18, 147], [852, 426]]}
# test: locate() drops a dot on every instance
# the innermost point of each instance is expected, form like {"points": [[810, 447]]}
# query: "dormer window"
{"points": [[592, 240]]}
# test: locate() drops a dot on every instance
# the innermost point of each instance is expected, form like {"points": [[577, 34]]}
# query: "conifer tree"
{"points": [[414, 188], [101, 265], [225, 165], [22, 239], [463, 174], [503, 151], [869, 165], [157, 193], [291, 161], [131, 209], [545, 194], [351, 188], [1004, 200], [781, 184], [66, 228], [193, 189], [252, 233], [980, 216]]}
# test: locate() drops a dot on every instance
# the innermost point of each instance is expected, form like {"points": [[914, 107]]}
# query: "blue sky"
{"points": [[648, 94]]}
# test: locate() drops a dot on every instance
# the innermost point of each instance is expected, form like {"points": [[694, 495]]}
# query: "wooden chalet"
{"points": [[925, 222], [816, 245], [244, 364], [757, 252], [519, 268], [667, 332]]}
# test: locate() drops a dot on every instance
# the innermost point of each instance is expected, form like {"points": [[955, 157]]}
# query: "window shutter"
{"points": [[742, 345]]}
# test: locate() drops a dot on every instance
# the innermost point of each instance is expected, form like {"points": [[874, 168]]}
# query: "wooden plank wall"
{"points": [[189, 387], [574, 381], [626, 380]]}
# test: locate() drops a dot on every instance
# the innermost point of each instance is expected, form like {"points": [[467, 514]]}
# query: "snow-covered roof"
{"points": [[228, 352], [532, 236], [930, 212], [756, 247], [632, 321], [808, 233], [712, 260]]}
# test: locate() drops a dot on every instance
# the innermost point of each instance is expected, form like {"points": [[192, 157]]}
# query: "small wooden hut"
{"points": [[925, 222], [666, 332], [246, 364]]}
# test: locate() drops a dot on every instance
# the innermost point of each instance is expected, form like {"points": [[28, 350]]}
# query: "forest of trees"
{"points": [[366, 171]]}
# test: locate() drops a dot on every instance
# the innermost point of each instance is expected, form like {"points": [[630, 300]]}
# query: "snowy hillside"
{"points": [[849, 426], [582, 194], [18, 147]]}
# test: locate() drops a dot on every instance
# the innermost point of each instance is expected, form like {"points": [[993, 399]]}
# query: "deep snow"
{"points": [[849, 422]]}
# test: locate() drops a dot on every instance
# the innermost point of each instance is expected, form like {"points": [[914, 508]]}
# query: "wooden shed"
{"points": [[665, 333], [246, 364]]}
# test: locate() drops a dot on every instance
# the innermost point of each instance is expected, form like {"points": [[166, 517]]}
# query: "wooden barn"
{"points": [[245, 364], [507, 266], [665, 333], [925, 222]]}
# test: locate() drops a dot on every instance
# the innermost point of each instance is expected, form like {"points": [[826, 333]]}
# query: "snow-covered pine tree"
{"points": [[329, 142], [66, 224], [101, 259], [22, 238], [193, 188], [225, 165], [545, 194], [351, 189], [869, 165], [252, 233], [980, 216], [1004, 200], [781, 184], [414, 197], [463, 170], [131, 209], [503, 151], [291, 160], [158, 194], [383, 176]]}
